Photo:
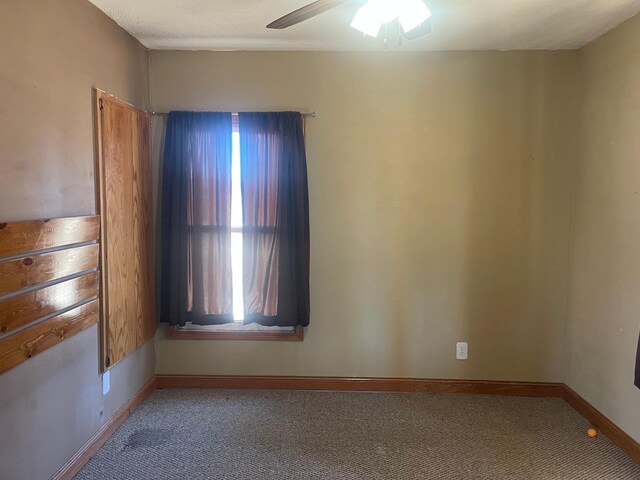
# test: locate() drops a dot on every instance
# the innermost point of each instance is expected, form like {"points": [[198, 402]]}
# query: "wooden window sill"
{"points": [[176, 333]]}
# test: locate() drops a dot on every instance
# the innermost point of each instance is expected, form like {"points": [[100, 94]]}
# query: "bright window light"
{"points": [[236, 231], [375, 13]]}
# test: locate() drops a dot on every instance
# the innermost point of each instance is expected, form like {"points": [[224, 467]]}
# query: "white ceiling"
{"points": [[457, 24]]}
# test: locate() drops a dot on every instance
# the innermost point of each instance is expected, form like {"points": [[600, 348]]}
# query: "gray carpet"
{"points": [[225, 434]]}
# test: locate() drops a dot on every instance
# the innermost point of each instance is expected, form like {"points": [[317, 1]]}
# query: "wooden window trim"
{"points": [[173, 332]]}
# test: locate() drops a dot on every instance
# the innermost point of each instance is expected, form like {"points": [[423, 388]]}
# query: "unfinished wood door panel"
{"points": [[143, 239], [118, 131], [125, 205]]}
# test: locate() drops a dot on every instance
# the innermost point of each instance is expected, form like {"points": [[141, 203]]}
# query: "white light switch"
{"points": [[462, 350], [106, 382]]}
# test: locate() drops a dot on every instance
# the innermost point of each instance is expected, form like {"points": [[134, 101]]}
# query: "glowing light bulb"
{"points": [[375, 13]]}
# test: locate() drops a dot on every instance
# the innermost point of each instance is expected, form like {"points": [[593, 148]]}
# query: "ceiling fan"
{"points": [[413, 16]]}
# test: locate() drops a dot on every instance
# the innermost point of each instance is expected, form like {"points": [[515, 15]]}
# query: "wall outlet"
{"points": [[106, 382], [462, 350]]}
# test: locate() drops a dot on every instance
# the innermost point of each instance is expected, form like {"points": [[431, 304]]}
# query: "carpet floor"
{"points": [[229, 434]]}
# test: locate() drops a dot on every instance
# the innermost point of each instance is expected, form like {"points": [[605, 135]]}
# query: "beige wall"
{"points": [[604, 312], [51, 54], [441, 189], [439, 208]]}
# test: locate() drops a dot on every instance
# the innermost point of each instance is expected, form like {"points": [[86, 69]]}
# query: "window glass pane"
{"points": [[236, 191], [236, 269], [236, 237]]}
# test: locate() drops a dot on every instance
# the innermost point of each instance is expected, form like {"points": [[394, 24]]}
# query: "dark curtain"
{"points": [[275, 205], [637, 382], [196, 282]]}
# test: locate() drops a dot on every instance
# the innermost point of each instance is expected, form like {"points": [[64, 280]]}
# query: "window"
{"points": [[236, 230], [236, 330]]}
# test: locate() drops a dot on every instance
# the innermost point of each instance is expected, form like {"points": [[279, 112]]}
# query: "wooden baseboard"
{"points": [[602, 423], [368, 384], [75, 463]]}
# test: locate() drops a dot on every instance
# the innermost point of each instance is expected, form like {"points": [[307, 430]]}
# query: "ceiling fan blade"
{"points": [[305, 13], [420, 31]]}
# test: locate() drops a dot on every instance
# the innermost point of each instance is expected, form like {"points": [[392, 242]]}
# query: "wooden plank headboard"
{"points": [[49, 284]]}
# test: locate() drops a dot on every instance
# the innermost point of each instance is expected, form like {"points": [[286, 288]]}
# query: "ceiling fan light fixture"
{"points": [[366, 21], [372, 15], [412, 14]]}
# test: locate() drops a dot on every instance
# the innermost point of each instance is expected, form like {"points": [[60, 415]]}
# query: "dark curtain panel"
{"points": [[275, 205], [637, 382], [196, 282]]}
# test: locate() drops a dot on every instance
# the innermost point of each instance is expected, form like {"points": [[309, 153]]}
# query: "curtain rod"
{"points": [[305, 114]]}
